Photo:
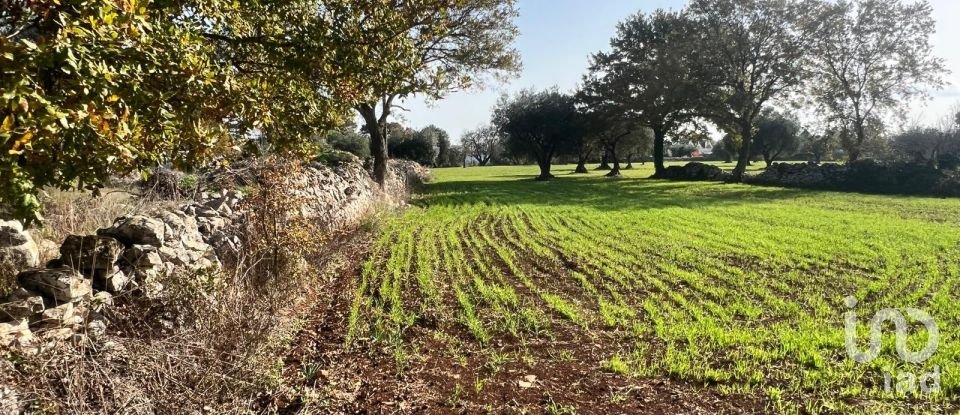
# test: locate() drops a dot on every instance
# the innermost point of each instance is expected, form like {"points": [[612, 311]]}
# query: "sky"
{"points": [[558, 36]]}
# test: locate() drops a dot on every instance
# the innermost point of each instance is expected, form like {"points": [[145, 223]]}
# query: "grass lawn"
{"points": [[517, 288]]}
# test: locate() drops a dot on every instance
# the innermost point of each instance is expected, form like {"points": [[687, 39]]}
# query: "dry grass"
{"points": [[194, 350]]}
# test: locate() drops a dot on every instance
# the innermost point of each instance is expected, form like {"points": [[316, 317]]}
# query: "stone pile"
{"points": [[64, 300], [17, 248], [693, 172]]}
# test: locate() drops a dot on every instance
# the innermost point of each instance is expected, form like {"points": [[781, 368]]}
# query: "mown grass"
{"points": [[735, 287]]}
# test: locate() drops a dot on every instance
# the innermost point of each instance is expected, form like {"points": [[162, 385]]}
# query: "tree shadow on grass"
{"points": [[598, 193]]}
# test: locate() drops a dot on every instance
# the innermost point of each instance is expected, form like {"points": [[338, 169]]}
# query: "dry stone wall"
{"points": [[65, 300]]}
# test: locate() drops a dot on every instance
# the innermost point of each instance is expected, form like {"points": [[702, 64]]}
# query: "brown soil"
{"points": [[446, 371]]}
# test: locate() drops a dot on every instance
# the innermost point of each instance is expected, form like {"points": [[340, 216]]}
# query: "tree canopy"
{"points": [[650, 57], [871, 57], [538, 125]]}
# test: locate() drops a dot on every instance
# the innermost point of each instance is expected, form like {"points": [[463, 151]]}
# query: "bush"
{"points": [[349, 142], [417, 148]]}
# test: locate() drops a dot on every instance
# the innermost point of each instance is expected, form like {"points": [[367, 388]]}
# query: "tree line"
{"points": [[856, 64]]}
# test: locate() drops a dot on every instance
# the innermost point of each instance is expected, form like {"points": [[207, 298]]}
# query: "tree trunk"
{"points": [[615, 171], [378, 141], [629, 162], [604, 162], [544, 164], [858, 147], [581, 167], [744, 160], [659, 137], [582, 162]]}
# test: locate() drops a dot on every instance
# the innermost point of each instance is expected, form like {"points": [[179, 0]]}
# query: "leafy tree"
{"points": [[426, 48], [777, 134], [921, 145], [726, 148], [584, 145], [604, 109], [872, 57], [440, 140], [650, 55], [92, 88], [456, 156], [538, 125], [417, 148], [748, 52], [640, 145], [481, 144], [818, 146]]}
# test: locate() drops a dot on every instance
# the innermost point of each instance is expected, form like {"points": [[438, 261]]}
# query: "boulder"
{"points": [[60, 285], [56, 317], [92, 252], [16, 334], [137, 230], [12, 233], [18, 251], [21, 308], [114, 282], [143, 258]]}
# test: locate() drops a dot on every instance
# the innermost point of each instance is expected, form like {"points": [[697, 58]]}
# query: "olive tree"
{"points": [[871, 58], [777, 134], [424, 48], [748, 52], [539, 125], [651, 57]]}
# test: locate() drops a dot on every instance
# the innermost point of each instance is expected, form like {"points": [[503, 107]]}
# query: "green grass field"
{"points": [[735, 288]]}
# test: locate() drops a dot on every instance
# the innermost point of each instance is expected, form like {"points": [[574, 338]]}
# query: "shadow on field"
{"points": [[599, 193]]}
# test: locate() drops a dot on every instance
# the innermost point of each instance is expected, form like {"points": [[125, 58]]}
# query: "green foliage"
{"points": [[350, 142], [418, 148], [481, 144], [93, 88], [649, 61], [538, 125], [777, 135], [870, 58]]}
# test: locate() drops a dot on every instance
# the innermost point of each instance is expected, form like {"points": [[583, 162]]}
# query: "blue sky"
{"points": [[557, 37]]}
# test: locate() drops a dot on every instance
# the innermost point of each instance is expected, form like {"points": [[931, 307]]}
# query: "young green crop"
{"points": [[736, 287]]}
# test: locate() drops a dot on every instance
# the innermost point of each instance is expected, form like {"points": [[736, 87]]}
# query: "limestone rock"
{"points": [[21, 308], [9, 401], [18, 251], [56, 317], [137, 230], [16, 334], [49, 249], [90, 252], [114, 282], [56, 335], [12, 233], [60, 284]]}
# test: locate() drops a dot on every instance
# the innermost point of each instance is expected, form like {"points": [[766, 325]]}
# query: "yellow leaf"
{"points": [[113, 98], [22, 141], [7, 124]]}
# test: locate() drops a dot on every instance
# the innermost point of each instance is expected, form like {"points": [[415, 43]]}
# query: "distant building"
{"points": [[700, 151]]}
